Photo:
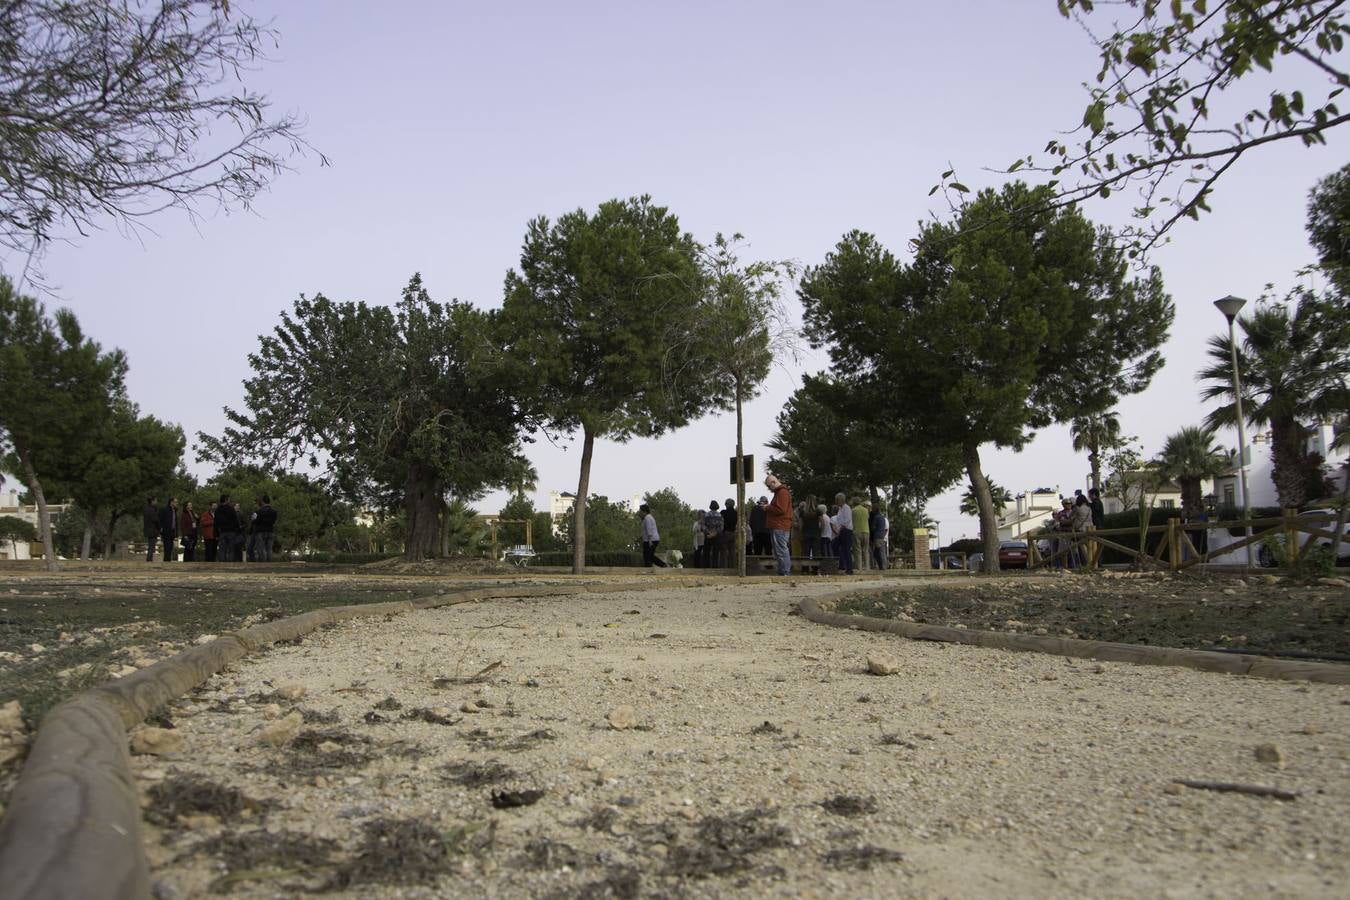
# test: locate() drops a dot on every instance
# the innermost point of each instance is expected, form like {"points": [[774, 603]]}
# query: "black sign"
{"points": [[747, 464]]}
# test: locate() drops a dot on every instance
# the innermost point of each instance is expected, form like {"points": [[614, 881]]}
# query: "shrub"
{"points": [[599, 558]]}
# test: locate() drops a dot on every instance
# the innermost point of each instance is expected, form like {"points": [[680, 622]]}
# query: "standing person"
{"points": [[227, 528], [843, 527], [187, 530], [713, 525], [759, 530], [650, 538], [251, 534], [206, 527], [731, 534], [1062, 525], [150, 525], [264, 528], [824, 532], [881, 537], [241, 534], [778, 519], [862, 534], [1098, 508], [168, 527], [1079, 520], [698, 540]]}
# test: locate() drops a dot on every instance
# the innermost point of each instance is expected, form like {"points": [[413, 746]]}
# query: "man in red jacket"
{"points": [[779, 520]]}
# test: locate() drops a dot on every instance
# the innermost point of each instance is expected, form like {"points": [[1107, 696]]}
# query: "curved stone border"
{"points": [[73, 825], [1205, 660]]}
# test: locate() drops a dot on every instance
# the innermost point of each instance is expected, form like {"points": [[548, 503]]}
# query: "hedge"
{"points": [[599, 558]]}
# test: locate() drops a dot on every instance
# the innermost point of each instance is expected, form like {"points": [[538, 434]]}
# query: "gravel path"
{"points": [[753, 757]]}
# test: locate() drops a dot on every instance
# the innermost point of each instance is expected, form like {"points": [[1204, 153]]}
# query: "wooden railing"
{"points": [[1176, 551]]}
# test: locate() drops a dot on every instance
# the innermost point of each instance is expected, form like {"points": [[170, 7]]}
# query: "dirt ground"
{"points": [[1256, 613], [706, 742]]}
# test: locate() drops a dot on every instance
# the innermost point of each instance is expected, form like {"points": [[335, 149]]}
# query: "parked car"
{"points": [[1266, 557], [1012, 555]]}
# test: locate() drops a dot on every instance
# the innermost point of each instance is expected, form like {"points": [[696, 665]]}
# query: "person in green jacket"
{"points": [[862, 538]]}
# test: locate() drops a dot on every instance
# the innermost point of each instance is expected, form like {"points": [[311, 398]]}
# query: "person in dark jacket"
{"points": [[187, 530], [264, 524], [150, 525], [759, 529], [168, 527], [227, 529]]}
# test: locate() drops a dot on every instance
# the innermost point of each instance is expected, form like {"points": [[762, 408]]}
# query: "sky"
{"points": [[449, 125]]}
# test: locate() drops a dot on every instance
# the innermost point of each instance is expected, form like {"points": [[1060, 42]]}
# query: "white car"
{"points": [[1266, 557]]}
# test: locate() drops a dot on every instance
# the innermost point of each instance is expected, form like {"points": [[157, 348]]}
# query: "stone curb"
{"points": [[72, 829], [1205, 660]]}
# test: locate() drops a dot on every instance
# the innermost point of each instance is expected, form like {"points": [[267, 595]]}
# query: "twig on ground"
{"points": [[1256, 790]]}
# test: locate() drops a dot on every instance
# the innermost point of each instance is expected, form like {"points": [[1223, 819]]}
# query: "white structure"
{"points": [[560, 507], [10, 506], [1227, 488], [1030, 510]]}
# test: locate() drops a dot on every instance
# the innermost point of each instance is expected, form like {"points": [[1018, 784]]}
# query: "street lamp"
{"points": [[1230, 306]]}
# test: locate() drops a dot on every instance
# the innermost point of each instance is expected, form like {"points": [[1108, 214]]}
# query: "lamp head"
{"points": [[1230, 306]]}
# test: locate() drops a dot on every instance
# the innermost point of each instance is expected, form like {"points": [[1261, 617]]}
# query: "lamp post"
{"points": [[1230, 306]]}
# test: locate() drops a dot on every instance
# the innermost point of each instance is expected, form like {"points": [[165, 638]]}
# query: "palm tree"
{"points": [[1000, 495], [1294, 359], [522, 478], [1188, 457], [1094, 433]]}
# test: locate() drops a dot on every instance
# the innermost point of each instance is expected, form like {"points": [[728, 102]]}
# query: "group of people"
{"points": [[222, 530], [855, 534], [1075, 516]]}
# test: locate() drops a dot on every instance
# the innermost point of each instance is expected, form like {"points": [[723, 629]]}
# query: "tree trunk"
{"points": [[1287, 450], [1095, 461], [422, 500], [44, 518], [985, 501], [579, 506], [108, 541], [743, 519]]}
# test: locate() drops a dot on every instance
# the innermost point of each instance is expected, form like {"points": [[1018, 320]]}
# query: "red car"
{"points": [[1012, 555]]}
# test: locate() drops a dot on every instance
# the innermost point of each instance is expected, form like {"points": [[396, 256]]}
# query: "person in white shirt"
{"points": [[650, 538], [843, 534], [826, 528], [698, 539]]}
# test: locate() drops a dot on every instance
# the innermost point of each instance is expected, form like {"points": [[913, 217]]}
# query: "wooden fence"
{"points": [[1176, 550]]}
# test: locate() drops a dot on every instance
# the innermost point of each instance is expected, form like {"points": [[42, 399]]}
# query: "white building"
{"points": [[10, 506], [560, 507], [1227, 488]]}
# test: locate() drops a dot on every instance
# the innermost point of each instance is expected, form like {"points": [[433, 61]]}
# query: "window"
{"points": [[1167, 504], [1229, 496]]}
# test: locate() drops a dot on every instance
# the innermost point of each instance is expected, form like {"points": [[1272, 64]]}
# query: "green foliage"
{"points": [[829, 440], [674, 520], [1318, 562], [1014, 316], [609, 526], [616, 558], [589, 320], [517, 507], [57, 388], [408, 404], [1294, 361], [306, 510], [1329, 226], [1000, 495], [1097, 433], [1188, 457], [135, 456], [12, 528], [545, 541], [1157, 121], [122, 109]]}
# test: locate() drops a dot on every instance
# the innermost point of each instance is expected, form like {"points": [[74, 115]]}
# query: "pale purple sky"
{"points": [[449, 125]]}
